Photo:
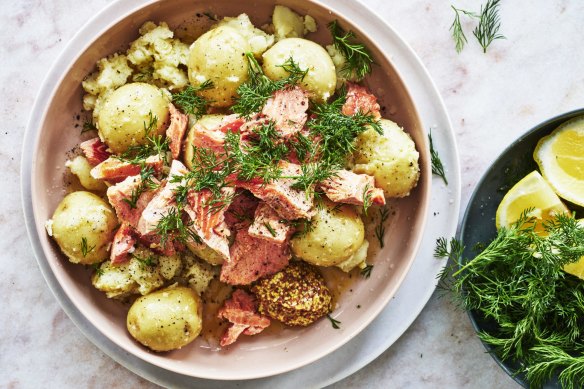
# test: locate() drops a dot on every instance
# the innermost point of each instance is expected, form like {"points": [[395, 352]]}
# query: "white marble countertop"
{"points": [[492, 98]]}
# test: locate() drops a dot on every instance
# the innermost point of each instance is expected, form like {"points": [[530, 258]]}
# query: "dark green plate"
{"points": [[478, 224]]}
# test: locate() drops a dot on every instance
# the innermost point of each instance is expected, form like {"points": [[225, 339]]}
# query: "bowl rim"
{"points": [[473, 316], [70, 58]]}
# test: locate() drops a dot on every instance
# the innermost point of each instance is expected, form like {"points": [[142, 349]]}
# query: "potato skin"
{"points": [[321, 79], [391, 158], [167, 319], [83, 215], [219, 56], [208, 121], [126, 111], [334, 236]]}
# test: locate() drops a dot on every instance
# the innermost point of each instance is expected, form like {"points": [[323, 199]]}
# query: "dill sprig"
{"points": [[85, 248], [367, 201], [357, 56], [380, 227], [485, 32], [270, 229], [190, 102], [172, 225], [437, 166], [336, 135], [518, 282], [147, 182], [258, 157], [209, 171], [154, 145], [489, 23], [253, 94], [366, 271], [88, 126], [335, 323], [149, 261], [97, 269]]}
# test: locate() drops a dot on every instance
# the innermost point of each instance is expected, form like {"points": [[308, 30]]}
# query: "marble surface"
{"points": [[492, 99]]}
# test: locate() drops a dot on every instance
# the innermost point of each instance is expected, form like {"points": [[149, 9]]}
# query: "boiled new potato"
{"points": [[219, 56], [321, 79], [207, 121], [167, 319], [335, 234], [258, 40], [83, 226], [287, 23], [391, 158], [80, 167], [126, 113], [114, 280]]}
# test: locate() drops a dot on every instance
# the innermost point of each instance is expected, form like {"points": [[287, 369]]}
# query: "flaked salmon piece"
{"points": [[288, 202], [209, 215], [162, 202], [287, 109], [122, 197], [123, 244], [208, 222], [240, 213], [154, 242], [253, 258], [351, 188], [242, 312], [116, 170], [176, 130], [231, 123], [359, 99], [95, 151], [268, 225], [214, 138]]}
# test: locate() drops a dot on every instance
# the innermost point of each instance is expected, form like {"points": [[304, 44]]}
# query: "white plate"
{"points": [[415, 290]]}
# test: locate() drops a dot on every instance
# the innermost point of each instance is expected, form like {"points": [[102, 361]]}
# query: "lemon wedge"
{"points": [[531, 192], [560, 157], [576, 268]]}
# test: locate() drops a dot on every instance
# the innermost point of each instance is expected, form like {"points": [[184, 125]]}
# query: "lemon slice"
{"points": [[531, 192], [560, 157], [576, 268]]}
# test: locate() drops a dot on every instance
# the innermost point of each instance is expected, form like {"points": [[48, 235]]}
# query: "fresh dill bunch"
{"points": [[258, 157], [489, 24], [338, 131], [518, 282], [357, 56], [485, 32], [253, 94], [190, 102], [437, 166]]}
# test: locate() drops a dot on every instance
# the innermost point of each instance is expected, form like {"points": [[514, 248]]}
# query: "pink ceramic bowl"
{"points": [[50, 138]]}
